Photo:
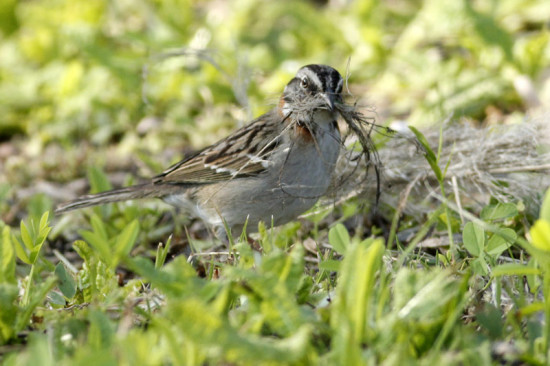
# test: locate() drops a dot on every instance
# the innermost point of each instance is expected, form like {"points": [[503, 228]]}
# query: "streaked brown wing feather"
{"points": [[228, 158]]}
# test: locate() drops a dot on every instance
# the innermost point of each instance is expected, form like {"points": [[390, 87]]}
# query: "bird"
{"points": [[271, 170]]}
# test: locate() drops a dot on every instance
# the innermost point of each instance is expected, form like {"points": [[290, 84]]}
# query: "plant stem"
{"points": [[448, 222], [27, 295]]}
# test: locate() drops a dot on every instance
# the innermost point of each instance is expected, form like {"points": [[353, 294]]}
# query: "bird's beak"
{"points": [[329, 99]]}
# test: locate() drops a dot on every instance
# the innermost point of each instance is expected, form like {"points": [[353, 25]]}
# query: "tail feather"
{"points": [[147, 190]]}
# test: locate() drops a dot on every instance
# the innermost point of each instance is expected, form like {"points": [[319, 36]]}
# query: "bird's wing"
{"points": [[245, 153]]}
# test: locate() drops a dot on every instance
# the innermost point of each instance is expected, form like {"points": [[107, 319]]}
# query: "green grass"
{"points": [[374, 305], [93, 89]]}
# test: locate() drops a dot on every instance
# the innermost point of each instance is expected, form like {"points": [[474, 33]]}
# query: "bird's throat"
{"points": [[303, 132]]}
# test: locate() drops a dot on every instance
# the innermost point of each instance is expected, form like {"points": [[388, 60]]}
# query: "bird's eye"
{"points": [[304, 83]]}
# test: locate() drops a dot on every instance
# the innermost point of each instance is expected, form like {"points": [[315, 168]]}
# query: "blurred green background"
{"points": [[130, 86], [146, 77]]}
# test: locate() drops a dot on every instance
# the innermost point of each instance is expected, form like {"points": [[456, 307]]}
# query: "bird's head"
{"points": [[314, 87]]}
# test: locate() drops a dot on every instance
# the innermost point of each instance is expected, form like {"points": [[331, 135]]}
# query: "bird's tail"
{"points": [[147, 190]]}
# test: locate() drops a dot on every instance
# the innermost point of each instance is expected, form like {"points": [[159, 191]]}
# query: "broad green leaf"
{"points": [[498, 211], [419, 294], [473, 238], [514, 269], [126, 239], [56, 299], [39, 351], [65, 282], [42, 233], [8, 311], [353, 301], [338, 237], [99, 227], [7, 257], [198, 322], [497, 244], [479, 266], [42, 236], [540, 235], [101, 331], [492, 320], [175, 278], [33, 238], [43, 226], [20, 250], [98, 243], [26, 236]]}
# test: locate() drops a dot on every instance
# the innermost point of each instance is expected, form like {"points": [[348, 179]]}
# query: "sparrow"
{"points": [[271, 170]]}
